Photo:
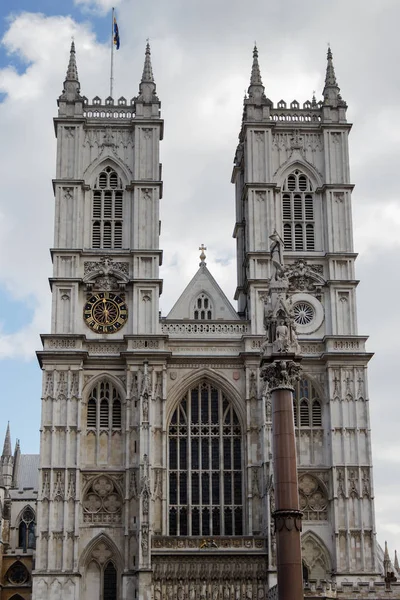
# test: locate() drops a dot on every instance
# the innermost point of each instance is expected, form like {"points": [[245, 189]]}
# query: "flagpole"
{"points": [[112, 54]]}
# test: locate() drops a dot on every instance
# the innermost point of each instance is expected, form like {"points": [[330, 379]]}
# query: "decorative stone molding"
{"points": [[287, 519], [281, 374], [188, 329], [201, 543], [102, 502]]}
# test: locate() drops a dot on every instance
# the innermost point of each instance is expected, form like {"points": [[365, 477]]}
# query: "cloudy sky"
{"points": [[201, 53]]}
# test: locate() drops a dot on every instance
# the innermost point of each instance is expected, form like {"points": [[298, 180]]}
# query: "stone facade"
{"points": [[156, 458]]}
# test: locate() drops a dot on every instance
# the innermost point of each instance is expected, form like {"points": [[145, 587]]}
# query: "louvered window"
{"points": [[205, 465], [104, 408], [307, 406], [298, 213], [107, 210]]}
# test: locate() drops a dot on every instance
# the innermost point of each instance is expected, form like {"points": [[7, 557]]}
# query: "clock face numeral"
{"points": [[105, 312]]}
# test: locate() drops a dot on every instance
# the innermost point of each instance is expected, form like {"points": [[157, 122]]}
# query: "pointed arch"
{"points": [[102, 162], [17, 597], [102, 377], [316, 556], [302, 165], [183, 385], [202, 306], [27, 528], [101, 538]]}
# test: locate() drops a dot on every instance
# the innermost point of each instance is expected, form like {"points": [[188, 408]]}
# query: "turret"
{"points": [[70, 102], [256, 104], [7, 460], [334, 107], [147, 104]]}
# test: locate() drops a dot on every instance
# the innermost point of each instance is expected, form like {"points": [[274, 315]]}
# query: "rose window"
{"points": [[303, 313]]}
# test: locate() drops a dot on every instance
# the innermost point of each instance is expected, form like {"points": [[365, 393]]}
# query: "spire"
{"points": [[255, 78], [72, 71], [71, 84], [147, 76], [331, 90], [396, 562], [7, 443], [256, 88], [147, 86]]}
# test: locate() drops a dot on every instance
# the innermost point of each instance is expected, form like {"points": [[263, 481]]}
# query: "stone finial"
{"points": [[396, 562], [71, 90], [147, 76], [7, 443], [331, 91], [202, 262], [386, 555]]}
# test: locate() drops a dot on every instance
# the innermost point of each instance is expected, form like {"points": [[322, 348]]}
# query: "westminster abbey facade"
{"points": [[155, 477]]}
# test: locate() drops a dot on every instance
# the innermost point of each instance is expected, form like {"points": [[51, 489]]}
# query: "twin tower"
{"points": [[156, 477]]}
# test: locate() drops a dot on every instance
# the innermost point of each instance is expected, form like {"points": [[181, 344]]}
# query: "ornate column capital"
{"points": [[281, 374]]}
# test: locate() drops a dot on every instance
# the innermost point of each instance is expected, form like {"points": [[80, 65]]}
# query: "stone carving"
{"points": [[360, 388], [287, 519], [340, 483], [353, 484], [253, 393], [133, 490], [336, 384], [145, 486], [134, 390], [62, 385], [315, 556], [74, 392], [102, 553], [145, 540], [58, 489], [71, 486], [158, 484], [276, 251], [255, 484], [281, 374], [158, 390], [106, 275], [366, 488], [304, 277], [46, 485], [48, 388], [102, 502]]}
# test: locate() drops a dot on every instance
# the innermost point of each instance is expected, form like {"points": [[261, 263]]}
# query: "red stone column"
{"points": [[281, 375]]}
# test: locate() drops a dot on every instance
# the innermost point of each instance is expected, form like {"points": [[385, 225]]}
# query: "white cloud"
{"points": [[100, 6]]}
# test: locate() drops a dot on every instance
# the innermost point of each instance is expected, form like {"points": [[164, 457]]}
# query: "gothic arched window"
{"points": [[298, 212], [104, 408], [307, 406], [26, 530], [101, 576], [107, 210], [203, 310], [205, 465]]}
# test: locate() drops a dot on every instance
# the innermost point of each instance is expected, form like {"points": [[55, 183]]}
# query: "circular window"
{"points": [[303, 313], [17, 574]]}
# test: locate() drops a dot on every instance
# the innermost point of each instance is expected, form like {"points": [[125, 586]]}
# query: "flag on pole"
{"points": [[116, 34]]}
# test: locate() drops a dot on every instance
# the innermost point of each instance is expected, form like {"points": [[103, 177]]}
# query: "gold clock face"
{"points": [[105, 312]]}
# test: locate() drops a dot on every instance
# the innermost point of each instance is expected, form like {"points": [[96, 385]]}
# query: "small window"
{"points": [[203, 309], [307, 406]]}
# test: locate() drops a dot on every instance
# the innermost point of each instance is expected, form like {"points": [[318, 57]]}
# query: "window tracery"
{"points": [[26, 530], [102, 502], [312, 499], [17, 574], [307, 406], [104, 408], [203, 309], [298, 212], [107, 210], [205, 465]]}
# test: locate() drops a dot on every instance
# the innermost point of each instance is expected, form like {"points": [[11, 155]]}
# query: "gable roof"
{"points": [[203, 283]]}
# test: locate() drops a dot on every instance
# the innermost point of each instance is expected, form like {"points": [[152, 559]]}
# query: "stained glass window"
{"points": [[205, 465]]}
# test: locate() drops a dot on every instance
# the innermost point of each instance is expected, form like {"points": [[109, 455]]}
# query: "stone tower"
{"points": [[292, 174], [105, 292]]}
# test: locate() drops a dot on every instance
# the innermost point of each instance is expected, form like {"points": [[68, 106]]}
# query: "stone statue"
{"points": [[276, 250], [282, 341]]}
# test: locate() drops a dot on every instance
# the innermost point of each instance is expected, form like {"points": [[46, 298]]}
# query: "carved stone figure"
{"points": [[276, 250], [282, 342]]}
